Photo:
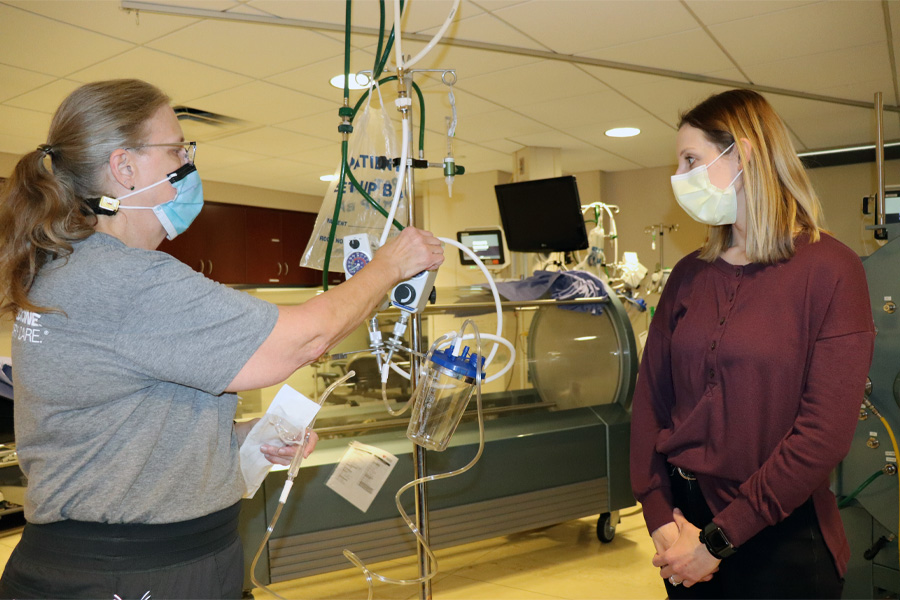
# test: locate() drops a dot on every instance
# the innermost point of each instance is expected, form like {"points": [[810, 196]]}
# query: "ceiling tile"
{"points": [[315, 78], [326, 159], [546, 80], [181, 79], [260, 102], [108, 17], [19, 81], [821, 125], [43, 45], [577, 161], [485, 27], [500, 124], [579, 26], [255, 50], [712, 13], [689, 51], [270, 141], [564, 113], [24, 124], [323, 125], [825, 70], [45, 99], [217, 157], [802, 31]]}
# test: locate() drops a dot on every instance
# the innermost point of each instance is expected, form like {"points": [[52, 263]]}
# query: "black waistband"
{"points": [[105, 546]]}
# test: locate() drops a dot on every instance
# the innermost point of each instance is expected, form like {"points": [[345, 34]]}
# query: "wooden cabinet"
{"points": [[276, 240], [248, 245], [214, 243]]}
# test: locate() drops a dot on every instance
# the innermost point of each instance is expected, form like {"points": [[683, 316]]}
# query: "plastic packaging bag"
{"points": [[283, 424], [373, 146]]}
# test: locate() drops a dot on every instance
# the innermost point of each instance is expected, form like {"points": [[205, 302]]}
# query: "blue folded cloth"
{"points": [[560, 285]]}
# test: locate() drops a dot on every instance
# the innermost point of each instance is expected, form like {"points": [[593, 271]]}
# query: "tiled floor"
{"points": [[564, 562]]}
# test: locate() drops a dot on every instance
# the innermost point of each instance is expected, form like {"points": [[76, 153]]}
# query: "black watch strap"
{"points": [[716, 541]]}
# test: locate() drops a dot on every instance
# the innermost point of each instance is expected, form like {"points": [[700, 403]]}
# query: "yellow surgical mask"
{"points": [[702, 200]]}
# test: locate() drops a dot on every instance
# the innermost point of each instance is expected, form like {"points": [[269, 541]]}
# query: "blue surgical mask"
{"points": [[177, 214]]}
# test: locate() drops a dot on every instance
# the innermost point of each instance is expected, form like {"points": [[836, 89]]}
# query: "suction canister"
{"points": [[441, 397]]}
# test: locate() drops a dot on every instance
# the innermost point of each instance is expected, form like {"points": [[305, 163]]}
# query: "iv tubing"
{"points": [[293, 469], [398, 191], [437, 37], [846, 500], [409, 523]]}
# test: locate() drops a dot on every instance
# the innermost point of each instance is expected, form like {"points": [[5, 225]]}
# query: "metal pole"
{"points": [[419, 459], [879, 156]]}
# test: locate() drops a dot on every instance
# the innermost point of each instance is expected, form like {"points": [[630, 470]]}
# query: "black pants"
{"points": [[201, 558], [787, 560]]}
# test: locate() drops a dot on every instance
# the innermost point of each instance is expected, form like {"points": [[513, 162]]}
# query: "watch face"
{"points": [[717, 539]]}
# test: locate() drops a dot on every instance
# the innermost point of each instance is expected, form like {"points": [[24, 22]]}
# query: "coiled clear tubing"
{"points": [[293, 469], [370, 575]]}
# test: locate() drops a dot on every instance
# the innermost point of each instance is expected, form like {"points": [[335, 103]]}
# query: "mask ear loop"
{"points": [[168, 178]]}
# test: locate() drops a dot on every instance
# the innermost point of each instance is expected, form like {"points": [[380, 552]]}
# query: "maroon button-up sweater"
{"points": [[752, 378]]}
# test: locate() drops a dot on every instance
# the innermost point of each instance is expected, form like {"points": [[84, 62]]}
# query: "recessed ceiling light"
{"points": [[623, 132], [328, 178], [358, 81]]}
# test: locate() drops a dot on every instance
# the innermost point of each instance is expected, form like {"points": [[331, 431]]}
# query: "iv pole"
{"points": [[661, 229], [419, 457]]}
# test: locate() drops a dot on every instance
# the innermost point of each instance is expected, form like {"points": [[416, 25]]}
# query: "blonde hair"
{"points": [[780, 198], [43, 211]]}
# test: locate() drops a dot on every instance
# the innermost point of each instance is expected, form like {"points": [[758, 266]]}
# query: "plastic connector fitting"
{"points": [[345, 128], [345, 111]]}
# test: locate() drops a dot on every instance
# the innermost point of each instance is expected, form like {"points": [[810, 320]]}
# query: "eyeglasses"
{"points": [[189, 149]]}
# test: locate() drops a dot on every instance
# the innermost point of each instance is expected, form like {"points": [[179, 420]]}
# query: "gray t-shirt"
{"points": [[120, 410]]}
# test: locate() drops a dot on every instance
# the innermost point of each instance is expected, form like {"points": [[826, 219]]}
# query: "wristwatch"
{"points": [[716, 541]]}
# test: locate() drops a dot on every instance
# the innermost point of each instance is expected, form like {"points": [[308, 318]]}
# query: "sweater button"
{"points": [[712, 373], [722, 321], [737, 272], [712, 346]]}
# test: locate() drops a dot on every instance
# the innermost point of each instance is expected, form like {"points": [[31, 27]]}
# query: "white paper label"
{"points": [[361, 474]]}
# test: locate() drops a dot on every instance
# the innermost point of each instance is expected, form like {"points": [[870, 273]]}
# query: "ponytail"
{"points": [[39, 220]]}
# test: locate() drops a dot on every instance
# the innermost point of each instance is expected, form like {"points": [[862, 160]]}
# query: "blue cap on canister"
{"points": [[464, 364]]}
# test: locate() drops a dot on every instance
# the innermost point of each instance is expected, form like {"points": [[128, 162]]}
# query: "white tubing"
{"points": [[398, 189], [398, 51], [437, 37]]}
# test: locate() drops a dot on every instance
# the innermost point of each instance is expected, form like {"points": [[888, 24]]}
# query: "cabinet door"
{"points": [[264, 246], [296, 229], [214, 243], [225, 229]]}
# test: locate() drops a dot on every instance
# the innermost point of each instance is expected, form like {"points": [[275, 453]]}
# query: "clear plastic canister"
{"points": [[441, 398]]}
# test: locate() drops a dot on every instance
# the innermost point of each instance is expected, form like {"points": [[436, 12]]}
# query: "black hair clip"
{"points": [[46, 149]]}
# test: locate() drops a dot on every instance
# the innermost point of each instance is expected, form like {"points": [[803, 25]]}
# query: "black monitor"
{"points": [[543, 215], [486, 244]]}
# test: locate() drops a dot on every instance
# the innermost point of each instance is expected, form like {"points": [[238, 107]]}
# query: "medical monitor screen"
{"points": [[543, 215], [892, 207], [487, 244]]}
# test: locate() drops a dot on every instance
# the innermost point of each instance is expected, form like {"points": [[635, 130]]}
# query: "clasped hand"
{"points": [[680, 556], [277, 455]]}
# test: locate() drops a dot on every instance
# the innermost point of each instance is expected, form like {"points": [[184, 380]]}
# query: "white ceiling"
{"points": [[515, 94]]}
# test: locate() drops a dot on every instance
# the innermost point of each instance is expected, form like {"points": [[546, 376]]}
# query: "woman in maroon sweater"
{"points": [[753, 372]]}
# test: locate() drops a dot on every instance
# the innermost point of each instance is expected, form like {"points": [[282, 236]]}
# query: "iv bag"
{"points": [[373, 145]]}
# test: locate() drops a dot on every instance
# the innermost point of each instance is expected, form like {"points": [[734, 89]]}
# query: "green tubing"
{"points": [[421, 116], [379, 69], [336, 215], [369, 198], [347, 54], [848, 499], [380, 39]]}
